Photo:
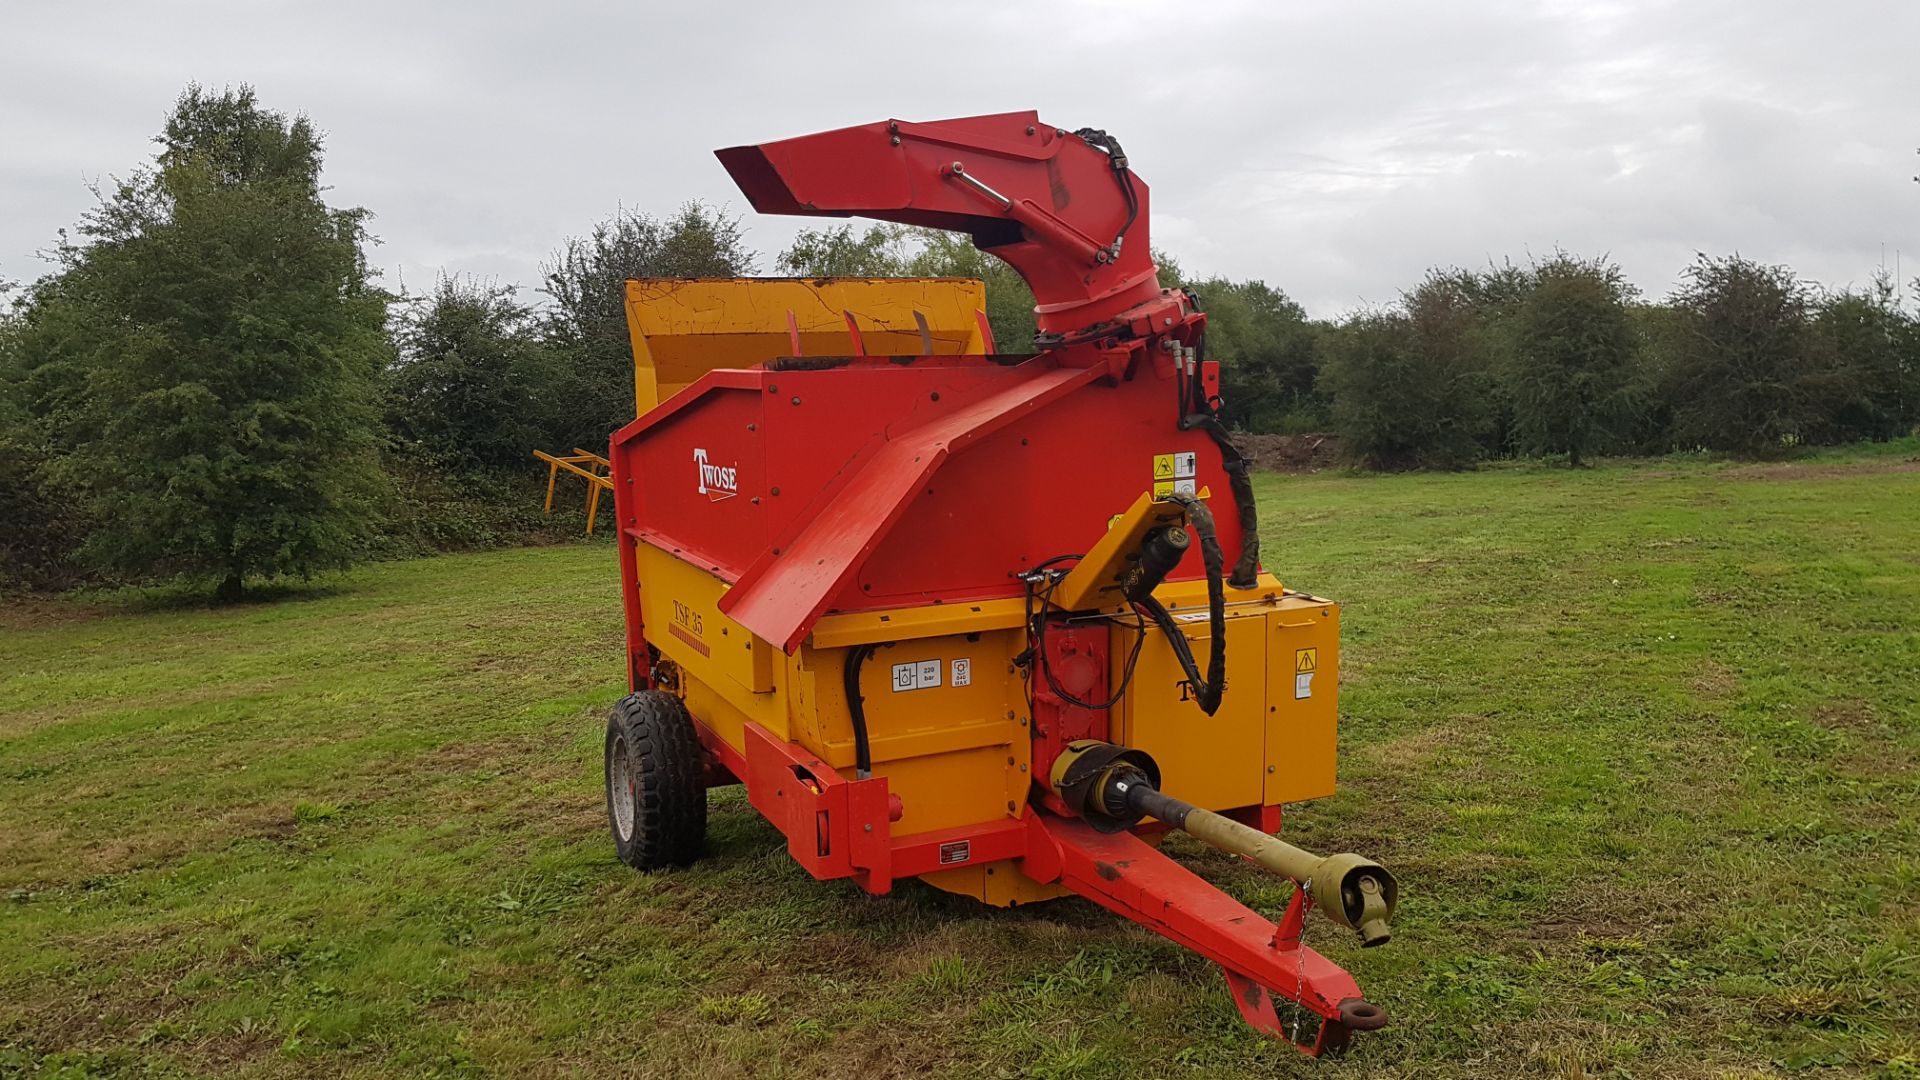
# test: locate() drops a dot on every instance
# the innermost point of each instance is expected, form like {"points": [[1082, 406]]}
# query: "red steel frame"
{"points": [[841, 828], [1050, 204]]}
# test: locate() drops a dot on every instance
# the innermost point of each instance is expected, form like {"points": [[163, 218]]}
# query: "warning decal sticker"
{"points": [[1176, 473], [916, 675]]}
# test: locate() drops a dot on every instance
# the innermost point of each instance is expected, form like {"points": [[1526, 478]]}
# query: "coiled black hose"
{"points": [[1208, 691]]}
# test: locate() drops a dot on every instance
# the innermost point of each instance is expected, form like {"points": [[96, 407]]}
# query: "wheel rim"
{"points": [[620, 793]]}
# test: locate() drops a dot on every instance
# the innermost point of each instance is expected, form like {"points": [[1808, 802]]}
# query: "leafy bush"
{"points": [[1572, 346], [470, 388], [1864, 377], [585, 323], [1738, 375]]}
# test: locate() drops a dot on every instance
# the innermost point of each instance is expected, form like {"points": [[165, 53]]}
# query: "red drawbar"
{"points": [[837, 828], [1125, 875]]}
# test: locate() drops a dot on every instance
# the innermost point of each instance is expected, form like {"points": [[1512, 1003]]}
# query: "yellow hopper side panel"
{"points": [[683, 328]]}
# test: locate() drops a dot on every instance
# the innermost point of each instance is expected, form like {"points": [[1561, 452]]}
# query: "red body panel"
{"points": [[879, 483]]}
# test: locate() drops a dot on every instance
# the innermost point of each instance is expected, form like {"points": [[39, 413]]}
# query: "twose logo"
{"points": [[716, 481]]}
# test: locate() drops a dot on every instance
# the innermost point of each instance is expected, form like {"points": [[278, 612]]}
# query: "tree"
{"points": [[1864, 375], [1269, 355], [1738, 356], [38, 529], [1412, 385], [587, 322], [878, 252], [1572, 347], [204, 366], [470, 385]]}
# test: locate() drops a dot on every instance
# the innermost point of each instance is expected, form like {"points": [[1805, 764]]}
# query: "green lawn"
{"points": [[1639, 741]]}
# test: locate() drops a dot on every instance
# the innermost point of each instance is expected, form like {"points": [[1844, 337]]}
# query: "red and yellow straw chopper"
{"points": [[996, 621]]}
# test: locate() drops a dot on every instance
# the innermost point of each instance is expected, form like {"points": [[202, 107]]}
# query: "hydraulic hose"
{"points": [[856, 708], [1198, 412], [1246, 569], [1207, 691]]}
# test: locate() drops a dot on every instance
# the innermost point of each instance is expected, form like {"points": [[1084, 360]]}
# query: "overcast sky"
{"points": [[1334, 149]]}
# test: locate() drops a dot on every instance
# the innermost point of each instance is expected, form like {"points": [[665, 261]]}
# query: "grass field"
{"points": [[1639, 741]]}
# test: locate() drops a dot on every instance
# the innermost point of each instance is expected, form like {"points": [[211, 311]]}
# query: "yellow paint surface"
{"points": [[683, 328]]}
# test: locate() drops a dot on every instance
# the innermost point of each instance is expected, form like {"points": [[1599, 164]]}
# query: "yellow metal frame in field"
{"points": [[583, 463]]}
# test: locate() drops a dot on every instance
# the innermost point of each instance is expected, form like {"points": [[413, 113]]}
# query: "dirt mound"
{"points": [[1291, 453]]}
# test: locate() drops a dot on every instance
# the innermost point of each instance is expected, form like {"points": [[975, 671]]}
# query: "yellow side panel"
{"points": [[679, 604], [682, 328], [998, 883], [955, 754], [1217, 761], [1303, 682]]}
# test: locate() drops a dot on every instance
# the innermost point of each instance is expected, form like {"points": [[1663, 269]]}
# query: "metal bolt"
{"points": [[1030, 129], [1270, 768], [753, 427], [894, 140], [775, 491], [935, 395], [868, 826], [1059, 133], [796, 401], [755, 500], [1023, 766]]}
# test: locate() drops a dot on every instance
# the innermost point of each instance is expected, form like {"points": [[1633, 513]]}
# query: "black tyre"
{"points": [[656, 804]]}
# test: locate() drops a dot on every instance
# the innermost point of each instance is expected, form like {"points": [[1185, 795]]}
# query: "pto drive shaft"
{"points": [[1115, 787]]}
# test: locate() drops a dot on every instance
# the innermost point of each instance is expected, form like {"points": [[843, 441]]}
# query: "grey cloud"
{"points": [[1336, 150]]}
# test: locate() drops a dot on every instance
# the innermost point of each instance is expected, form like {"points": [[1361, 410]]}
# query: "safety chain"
{"points": [[1300, 956]]}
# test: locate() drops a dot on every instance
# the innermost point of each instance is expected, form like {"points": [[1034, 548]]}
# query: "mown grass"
{"points": [[1638, 740]]}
